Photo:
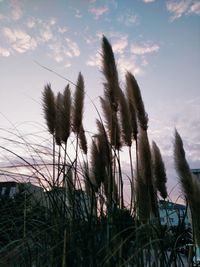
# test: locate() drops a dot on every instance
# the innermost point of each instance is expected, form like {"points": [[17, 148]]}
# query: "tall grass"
{"points": [[84, 217]]}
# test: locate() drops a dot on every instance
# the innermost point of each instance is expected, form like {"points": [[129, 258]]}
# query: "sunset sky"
{"points": [[157, 40]]}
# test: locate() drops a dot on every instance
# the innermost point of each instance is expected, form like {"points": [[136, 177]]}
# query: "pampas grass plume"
{"points": [[49, 108], [159, 171], [78, 104], [137, 100]]}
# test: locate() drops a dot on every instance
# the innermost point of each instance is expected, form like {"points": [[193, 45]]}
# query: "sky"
{"points": [[158, 41]]}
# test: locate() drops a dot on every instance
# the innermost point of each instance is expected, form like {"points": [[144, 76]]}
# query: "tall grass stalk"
{"points": [[84, 216]]}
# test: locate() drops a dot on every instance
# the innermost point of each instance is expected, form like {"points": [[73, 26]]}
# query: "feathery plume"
{"points": [[137, 101], [59, 111], [49, 108], [106, 157], [182, 166], [111, 124], [131, 107], [145, 170], [103, 143], [125, 119], [195, 208], [83, 140], [97, 165], [159, 171], [66, 114], [78, 104], [189, 185], [109, 69]]}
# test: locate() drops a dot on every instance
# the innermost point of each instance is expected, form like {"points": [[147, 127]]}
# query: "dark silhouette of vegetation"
{"points": [[82, 217]]}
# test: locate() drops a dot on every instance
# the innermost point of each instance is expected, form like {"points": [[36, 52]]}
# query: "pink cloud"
{"points": [[144, 49], [98, 11]]}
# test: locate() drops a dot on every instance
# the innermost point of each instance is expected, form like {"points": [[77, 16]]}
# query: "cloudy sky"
{"points": [[156, 40]]}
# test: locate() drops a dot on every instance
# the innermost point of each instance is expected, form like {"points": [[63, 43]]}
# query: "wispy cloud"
{"points": [[62, 29], [94, 60], [16, 9], [30, 23], [129, 19], [19, 40], [34, 22], [56, 51], [46, 35], [44, 30], [144, 49], [90, 39], [127, 64], [120, 44], [98, 11], [78, 13], [47, 29], [39, 32], [60, 50], [178, 8], [73, 48], [52, 21], [195, 8], [4, 52]]}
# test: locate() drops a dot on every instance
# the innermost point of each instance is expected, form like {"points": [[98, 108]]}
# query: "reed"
{"points": [[66, 114], [189, 185], [136, 98], [145, 173], [85, 217], [78, 104], [49, 108], [125, 119], [109, 69], [159, 171]]}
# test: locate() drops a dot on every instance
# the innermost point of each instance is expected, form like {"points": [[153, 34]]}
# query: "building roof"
{"points": [[171, 206]]}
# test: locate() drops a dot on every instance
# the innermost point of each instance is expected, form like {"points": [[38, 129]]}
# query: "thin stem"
{"points": [[54, 145], [132, 182]]}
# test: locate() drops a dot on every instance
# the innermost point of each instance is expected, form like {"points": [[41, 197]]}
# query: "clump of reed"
{"points": [[85, 219], [189, 185]]}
